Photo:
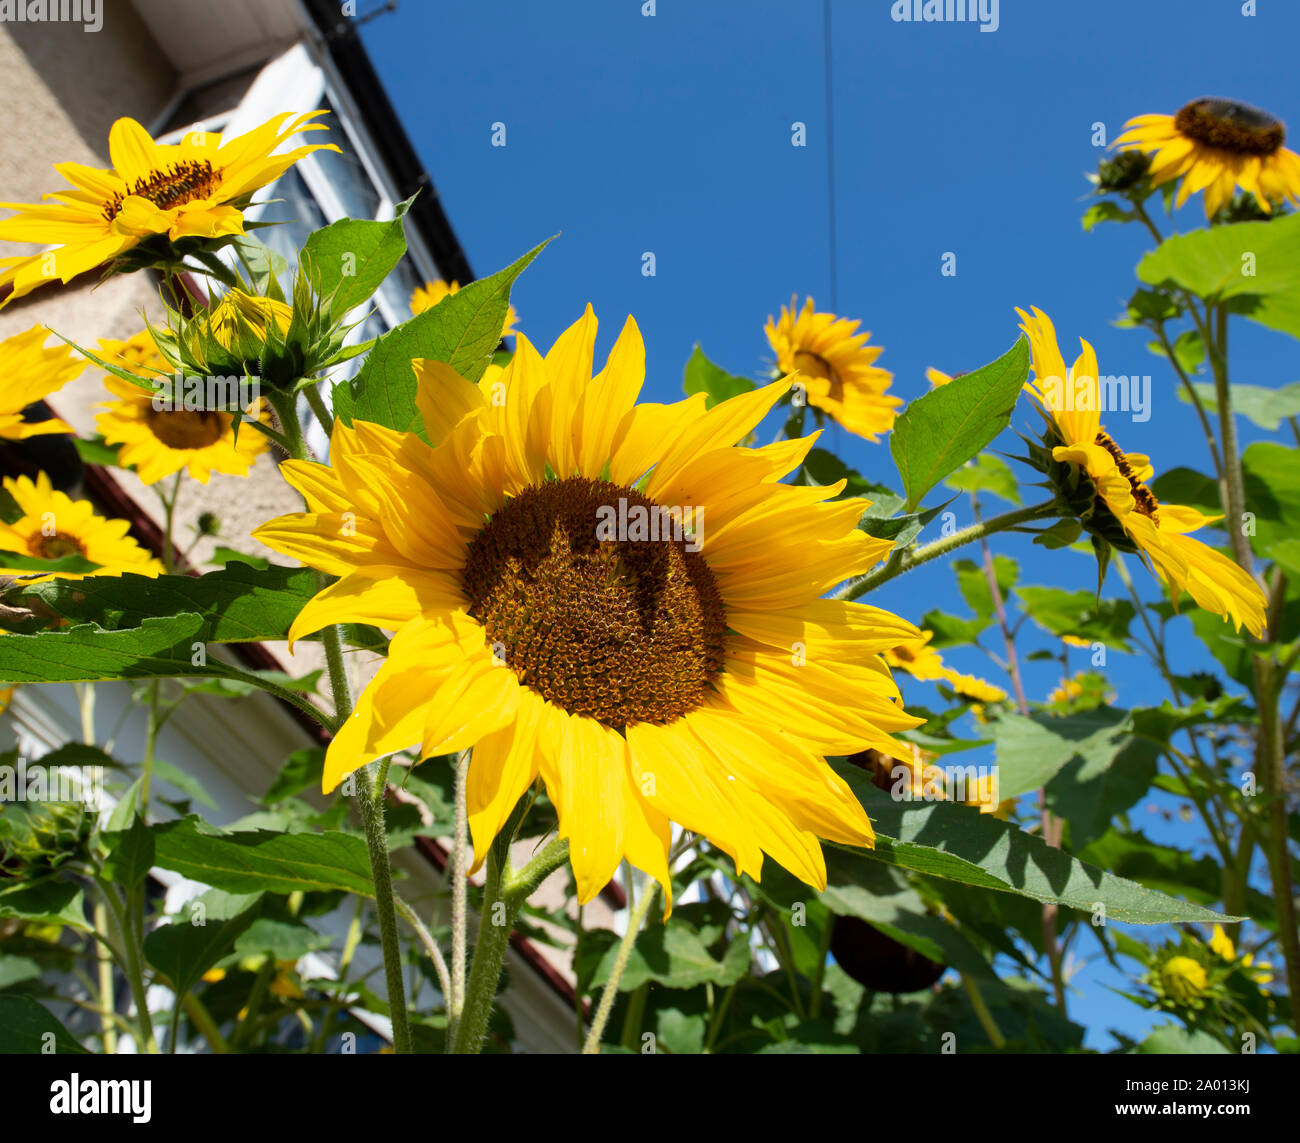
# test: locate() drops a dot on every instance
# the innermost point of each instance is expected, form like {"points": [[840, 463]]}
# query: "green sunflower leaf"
{"points": [[959, 843], [239, 604], [252, 861], [1079, 613], [1256, 263], [1267, 408], [939, 432], [198, 937], [29, 1028], [346, 261], [464, 330], [702, 376], [988, 474]]}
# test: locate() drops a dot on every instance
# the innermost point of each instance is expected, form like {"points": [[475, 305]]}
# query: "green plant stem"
{"points": [[130, 963], [927, 552], [216, 269], [370, 799], [1194, 397], [459, 872], [412, 918], [1269, 749], [636, 918], [104, 964], [201, 1018], [509, 889], [317, 403], [982, 1013], [1050, 827]]}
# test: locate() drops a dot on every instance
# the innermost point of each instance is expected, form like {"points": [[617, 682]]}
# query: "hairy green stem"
{"points": [[1269, 750], [459, 872], [504, 895], [131, 964], [897, 566], [636, 918]]}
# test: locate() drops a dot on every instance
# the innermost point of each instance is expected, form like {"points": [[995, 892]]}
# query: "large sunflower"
{"points": [[32, 371], [555, 610], [159, 442], [194, 188], [1123, 511], [431, 293], [53, 526], [1215, 145], [835, 366]]}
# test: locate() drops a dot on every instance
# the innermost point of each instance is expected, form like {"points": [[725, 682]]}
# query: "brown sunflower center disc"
{"points": [[814, 365], [591, 613], [1147, 504], [1234, 127], [55, 547], [174, 185], [187, 428]]}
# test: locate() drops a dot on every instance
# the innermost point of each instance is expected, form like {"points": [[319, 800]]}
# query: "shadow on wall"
{"points": [[97, 76]]}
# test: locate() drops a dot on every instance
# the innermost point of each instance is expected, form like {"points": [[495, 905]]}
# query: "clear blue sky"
{"points": [[672, 134]]}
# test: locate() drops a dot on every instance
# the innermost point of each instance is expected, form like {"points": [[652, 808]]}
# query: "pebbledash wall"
{"points": [[172, 64]]}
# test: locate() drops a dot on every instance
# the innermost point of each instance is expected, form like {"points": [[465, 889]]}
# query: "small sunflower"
{"points": [[923, 662], [32, 371], [54, 527], [1221, 945], [159, 442], [611, 596], [1122, 511], [431, 293], [835, 366], [1215, 145], [196, 188]]}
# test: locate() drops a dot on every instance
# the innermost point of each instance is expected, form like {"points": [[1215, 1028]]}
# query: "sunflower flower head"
{"points": [[922, 661], [32, 371], [1107, 489], [1221, 945], [1183, 981], [431, 293], [55, 527], [614, 599], [157, 203], [1217, 145], [836, 367], [157, 433]]}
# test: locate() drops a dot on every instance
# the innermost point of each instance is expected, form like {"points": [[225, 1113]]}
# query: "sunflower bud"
{"points": [[1122, 173], [43, 835], [252, 334]]}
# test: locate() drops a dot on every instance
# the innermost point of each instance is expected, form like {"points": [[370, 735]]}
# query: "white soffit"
{"points": [[205, 40]]}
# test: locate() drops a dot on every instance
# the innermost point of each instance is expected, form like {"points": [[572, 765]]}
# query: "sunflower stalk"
{"points": [[635, 921], [370, 788], [1269, 746], [893, 568], [504, 894]]}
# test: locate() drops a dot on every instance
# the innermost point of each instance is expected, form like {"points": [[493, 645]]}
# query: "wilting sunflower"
{"points": [[431, 293], [923, 662], [53, 527], [1215, 145], [32, 371], [836, 367], [196, 188], [1123, 511], [611, 596], [159, 442]]}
